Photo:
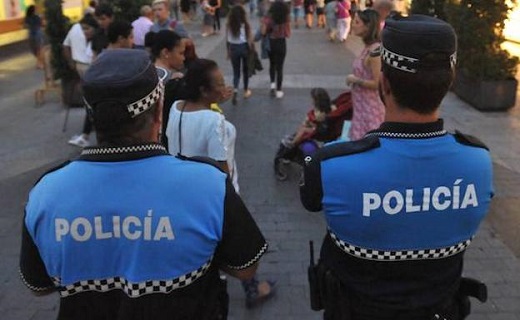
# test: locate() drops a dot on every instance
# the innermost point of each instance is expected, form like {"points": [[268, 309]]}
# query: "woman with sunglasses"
{"points": [[369, 110]]}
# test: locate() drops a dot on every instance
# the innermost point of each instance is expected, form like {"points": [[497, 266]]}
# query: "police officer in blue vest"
{"points": [[403, 203], [127, 231]]}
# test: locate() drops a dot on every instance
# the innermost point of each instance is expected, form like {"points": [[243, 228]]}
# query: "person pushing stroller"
{"points": [[322, 124]]}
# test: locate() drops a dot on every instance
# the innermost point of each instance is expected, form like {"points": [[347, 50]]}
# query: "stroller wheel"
{"points": [[279, 170]]}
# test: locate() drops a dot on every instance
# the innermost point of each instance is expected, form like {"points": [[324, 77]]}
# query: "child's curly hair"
{"points": [[321, 99]]}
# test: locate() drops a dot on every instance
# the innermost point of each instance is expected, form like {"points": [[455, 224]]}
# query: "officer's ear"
{"points": [[383, 88], [384, 85], [158, 112]]}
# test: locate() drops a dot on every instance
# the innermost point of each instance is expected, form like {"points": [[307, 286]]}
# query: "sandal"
{"points": [[254, 294]]}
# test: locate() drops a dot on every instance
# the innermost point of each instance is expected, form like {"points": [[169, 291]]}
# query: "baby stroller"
{"points": [[326, 131]]}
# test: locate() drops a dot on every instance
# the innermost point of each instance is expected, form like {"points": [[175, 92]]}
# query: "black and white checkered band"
{"points": [[252, 261], [404, 135], [140, 106], [132, 289], [30, 286], [404, 63], [398, 61], [145, 103], [426, 254], [120, 150]]}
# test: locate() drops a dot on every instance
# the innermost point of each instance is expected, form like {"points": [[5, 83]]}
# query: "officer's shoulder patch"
{"points": [[469, 140], [55, 168], [376, 52], [348, 148], [198, 159]]}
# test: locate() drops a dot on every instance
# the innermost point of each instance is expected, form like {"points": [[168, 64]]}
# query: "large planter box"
{"points": [[486, 95]]}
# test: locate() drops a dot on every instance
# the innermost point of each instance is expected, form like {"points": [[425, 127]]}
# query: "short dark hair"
{"points": [[198, 76], [104, 10], [89, 20], [424, 90], [115, 126], [321, 99], [118, 28], [164, 39]]}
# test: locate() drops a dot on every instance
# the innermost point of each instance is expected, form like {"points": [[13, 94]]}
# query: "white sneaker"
{"points": [[79, 141], [273, 89], [279, 94], [247, 93]]}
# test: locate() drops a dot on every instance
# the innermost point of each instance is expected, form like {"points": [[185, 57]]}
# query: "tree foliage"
{"points": [[128, 9], [480, 29], [434, 8]]}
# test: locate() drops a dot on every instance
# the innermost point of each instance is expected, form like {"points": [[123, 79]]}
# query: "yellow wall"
{"points": [[71, 8]]}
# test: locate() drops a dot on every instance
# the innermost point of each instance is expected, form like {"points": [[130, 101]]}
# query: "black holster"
{"points": [[327, 293]]}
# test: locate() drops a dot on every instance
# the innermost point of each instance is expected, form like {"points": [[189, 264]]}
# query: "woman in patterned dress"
{"points": [[369, 110]]}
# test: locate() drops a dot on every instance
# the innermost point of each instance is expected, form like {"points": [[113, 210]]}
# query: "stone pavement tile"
{"points": [[507, 304], [503, 316], [18, 314], [477, 316], [45, 315]]}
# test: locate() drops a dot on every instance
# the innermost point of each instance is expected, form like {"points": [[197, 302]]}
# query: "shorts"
{"points": [[320, 11], [298, 12], [36, 42]]}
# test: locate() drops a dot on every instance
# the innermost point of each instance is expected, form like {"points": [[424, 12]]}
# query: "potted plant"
{"points": [[485, 72]]}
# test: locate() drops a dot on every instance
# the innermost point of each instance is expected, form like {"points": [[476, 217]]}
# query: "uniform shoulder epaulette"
{"points": [[376, 52], [348, 148], [469, 140], [55, 168], [205, 160]]}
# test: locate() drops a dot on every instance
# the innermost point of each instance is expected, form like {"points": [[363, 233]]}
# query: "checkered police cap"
{"points": [[406, 41], [126, 79]]}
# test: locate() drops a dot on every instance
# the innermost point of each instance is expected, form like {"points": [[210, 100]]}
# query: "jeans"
{"points": [[239, 56], [276, 61]]}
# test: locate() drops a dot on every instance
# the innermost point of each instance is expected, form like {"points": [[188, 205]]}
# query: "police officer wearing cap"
{"points": [[148, 233], [403, 203]]}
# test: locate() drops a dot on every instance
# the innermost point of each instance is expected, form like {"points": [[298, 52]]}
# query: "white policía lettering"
{"points": [[440, 198], [75, 229], [426, 199], [164, 230], [98, 223], [436, 198], [410, 207], [456, 193], [371, 201], [148, 228], [116, 221], [387, 202], [126, 228], [470, 197], [62, 228]]}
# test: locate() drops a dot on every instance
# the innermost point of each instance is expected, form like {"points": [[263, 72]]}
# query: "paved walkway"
{"points": [[32, 140]]}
